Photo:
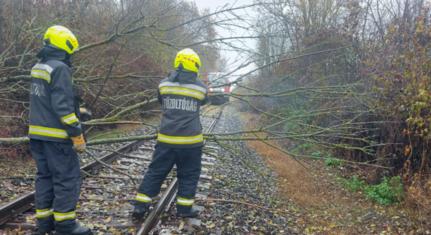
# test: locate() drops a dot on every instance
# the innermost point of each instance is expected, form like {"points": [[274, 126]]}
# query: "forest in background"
{"points": [[349, 82]]}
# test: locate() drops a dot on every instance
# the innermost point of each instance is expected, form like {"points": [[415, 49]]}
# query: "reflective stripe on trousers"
{"points": [[184, 201], [43, 213], [62, 216], [140, 197]]}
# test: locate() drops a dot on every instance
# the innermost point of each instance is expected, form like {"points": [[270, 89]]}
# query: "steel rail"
{"points": [[25, 202], [167, 197]]}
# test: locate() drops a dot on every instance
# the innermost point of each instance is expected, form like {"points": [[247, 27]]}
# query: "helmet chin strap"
{"points": [[180, 67]]}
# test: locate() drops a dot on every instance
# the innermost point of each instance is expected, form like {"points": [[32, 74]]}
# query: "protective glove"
{"points": [[85, 114], [79, 143]]}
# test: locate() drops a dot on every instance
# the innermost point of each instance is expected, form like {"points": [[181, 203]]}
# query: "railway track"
{"points": [[107, 192], [154, 223]]}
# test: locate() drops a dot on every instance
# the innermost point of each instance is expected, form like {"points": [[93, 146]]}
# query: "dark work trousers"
{"points": [[188, 162], [58, 179]]}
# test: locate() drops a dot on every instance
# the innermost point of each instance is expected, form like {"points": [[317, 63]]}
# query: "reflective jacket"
{"points": [[53, 109], [181, 95]]}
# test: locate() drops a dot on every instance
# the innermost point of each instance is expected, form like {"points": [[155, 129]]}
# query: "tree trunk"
{"points": [[2, 39]]}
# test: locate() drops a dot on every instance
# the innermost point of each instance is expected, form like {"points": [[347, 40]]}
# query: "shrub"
{"points": [[316, 154], [354, 184], [332, 161], [389, 191]]}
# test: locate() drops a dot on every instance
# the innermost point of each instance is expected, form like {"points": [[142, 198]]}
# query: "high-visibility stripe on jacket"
{"points": [[47, 131], [181, 95], [42, 71], [53, 114], [69, 119], [180, 139], [190, 90]]}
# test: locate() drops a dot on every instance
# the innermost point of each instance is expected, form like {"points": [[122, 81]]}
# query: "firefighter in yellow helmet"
{"points": [[180, 138], [56, 135]]}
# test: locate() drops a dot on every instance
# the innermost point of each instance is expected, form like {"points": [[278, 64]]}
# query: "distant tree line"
{"points": [[351, 77]]}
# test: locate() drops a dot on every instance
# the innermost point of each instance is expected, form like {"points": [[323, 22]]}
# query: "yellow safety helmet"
{"points": [[61, 38], [188, 59]]}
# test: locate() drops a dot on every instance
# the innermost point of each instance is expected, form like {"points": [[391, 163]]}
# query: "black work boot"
{"points": [[81, 230], [75, 230], [140, 210], [45, 226], [187, 211]]}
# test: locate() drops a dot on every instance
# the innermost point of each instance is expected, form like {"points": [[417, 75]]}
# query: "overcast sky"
{"points": [[234, 59], [214, 4]]}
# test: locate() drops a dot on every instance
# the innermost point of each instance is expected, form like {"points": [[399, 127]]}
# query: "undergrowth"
{"points": [[311, 151], [332, 161], [388, 192]]}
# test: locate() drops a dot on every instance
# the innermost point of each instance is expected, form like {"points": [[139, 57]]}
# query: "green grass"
{"points": [[389, 191], [332, 161], [317, 154], [353, 184]]}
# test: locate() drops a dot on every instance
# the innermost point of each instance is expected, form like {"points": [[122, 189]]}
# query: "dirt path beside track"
{"points": [[326, 206]]}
